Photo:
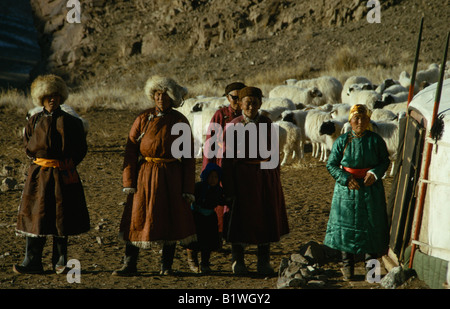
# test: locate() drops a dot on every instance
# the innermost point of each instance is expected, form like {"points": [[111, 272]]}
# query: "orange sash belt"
{"points": [[47, 162], [68, 172], [53, 163], [160, 160], [357, 172]]}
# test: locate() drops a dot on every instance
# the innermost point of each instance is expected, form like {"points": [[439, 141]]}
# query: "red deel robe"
{"points": [[221, 117]]}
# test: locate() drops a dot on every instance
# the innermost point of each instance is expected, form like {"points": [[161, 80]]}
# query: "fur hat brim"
{"points": [[45, 85], [166, 84]]}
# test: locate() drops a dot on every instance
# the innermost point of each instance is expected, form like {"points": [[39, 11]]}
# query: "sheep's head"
{"points": [[379, 104], [327, 128], [388, 99], [315, 92], [299, 105], [388, 83], [367, 86], [289, 117], [198, 107]]}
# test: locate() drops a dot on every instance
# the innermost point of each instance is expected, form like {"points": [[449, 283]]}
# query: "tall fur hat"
{"points": [[166, 84], [45, 85]]}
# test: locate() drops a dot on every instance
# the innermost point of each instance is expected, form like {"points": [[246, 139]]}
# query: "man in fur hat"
{"points": [[53, 201], [160, 186]]}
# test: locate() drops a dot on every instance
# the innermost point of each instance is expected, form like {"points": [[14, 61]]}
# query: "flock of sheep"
{"points": [[316, 111]]}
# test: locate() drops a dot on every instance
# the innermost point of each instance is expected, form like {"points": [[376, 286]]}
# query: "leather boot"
{"points": [[263, 265], [204, 265], [168, 252], [348, 265], [129, 267], [32, 263], [237, 260], [192, 258], [59, 255]]}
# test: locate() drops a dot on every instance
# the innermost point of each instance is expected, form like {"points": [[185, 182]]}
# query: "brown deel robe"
{"points": [[258, 215], [157, 211], [50, 204]]}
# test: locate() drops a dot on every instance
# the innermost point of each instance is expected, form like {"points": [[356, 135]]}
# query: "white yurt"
{"points": [[419, 202]]}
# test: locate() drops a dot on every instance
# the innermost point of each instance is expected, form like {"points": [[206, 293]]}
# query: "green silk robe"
{"points": [[358, 219]]}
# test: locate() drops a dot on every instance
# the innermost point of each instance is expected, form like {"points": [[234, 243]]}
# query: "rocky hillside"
{"points": [[123, 42]]}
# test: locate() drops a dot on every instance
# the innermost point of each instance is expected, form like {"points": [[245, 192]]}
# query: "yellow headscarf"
{"points": [[360, 109]]}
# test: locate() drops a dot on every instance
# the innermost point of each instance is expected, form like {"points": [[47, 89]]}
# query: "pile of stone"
{"points": [[8, 183], [302, 269]]}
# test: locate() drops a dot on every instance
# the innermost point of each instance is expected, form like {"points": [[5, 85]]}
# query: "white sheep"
{"points": [[389, 98], [340, 110], [200, 122], [423, 78], [330, 87], [187, 105], [64, 107], [395, 89], [197, 104], [332, 129], [307, 96], [313, 121], [397, 108], [290, 142], [429, 75], [290, 81], [385, 84], [365, 97], [380, 114], [352, 81], [268, 103], [446, 70], [298, 118], [359, 87], [389, 131], [326, 107], [274, 113], [404, 79]]}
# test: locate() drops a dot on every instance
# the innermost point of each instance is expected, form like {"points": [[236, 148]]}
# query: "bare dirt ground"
{"points": [[307, 190]]}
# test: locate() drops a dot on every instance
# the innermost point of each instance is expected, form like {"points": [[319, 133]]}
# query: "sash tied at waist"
{"points": [[357, 172], [66, 167], [60, 164], [160, 160]]}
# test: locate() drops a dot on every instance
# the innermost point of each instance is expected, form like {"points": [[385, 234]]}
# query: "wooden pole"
{"points": [[416, 60]]}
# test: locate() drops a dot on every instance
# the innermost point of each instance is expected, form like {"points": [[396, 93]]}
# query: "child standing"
{"points": [[208, 195]]}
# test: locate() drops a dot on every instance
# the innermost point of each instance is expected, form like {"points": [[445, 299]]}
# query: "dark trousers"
{"points": [[348, 259], [34, 247], [168, 252]]}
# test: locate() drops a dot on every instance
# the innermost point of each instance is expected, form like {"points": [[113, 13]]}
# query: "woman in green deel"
{"points": [[358, 219]]}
